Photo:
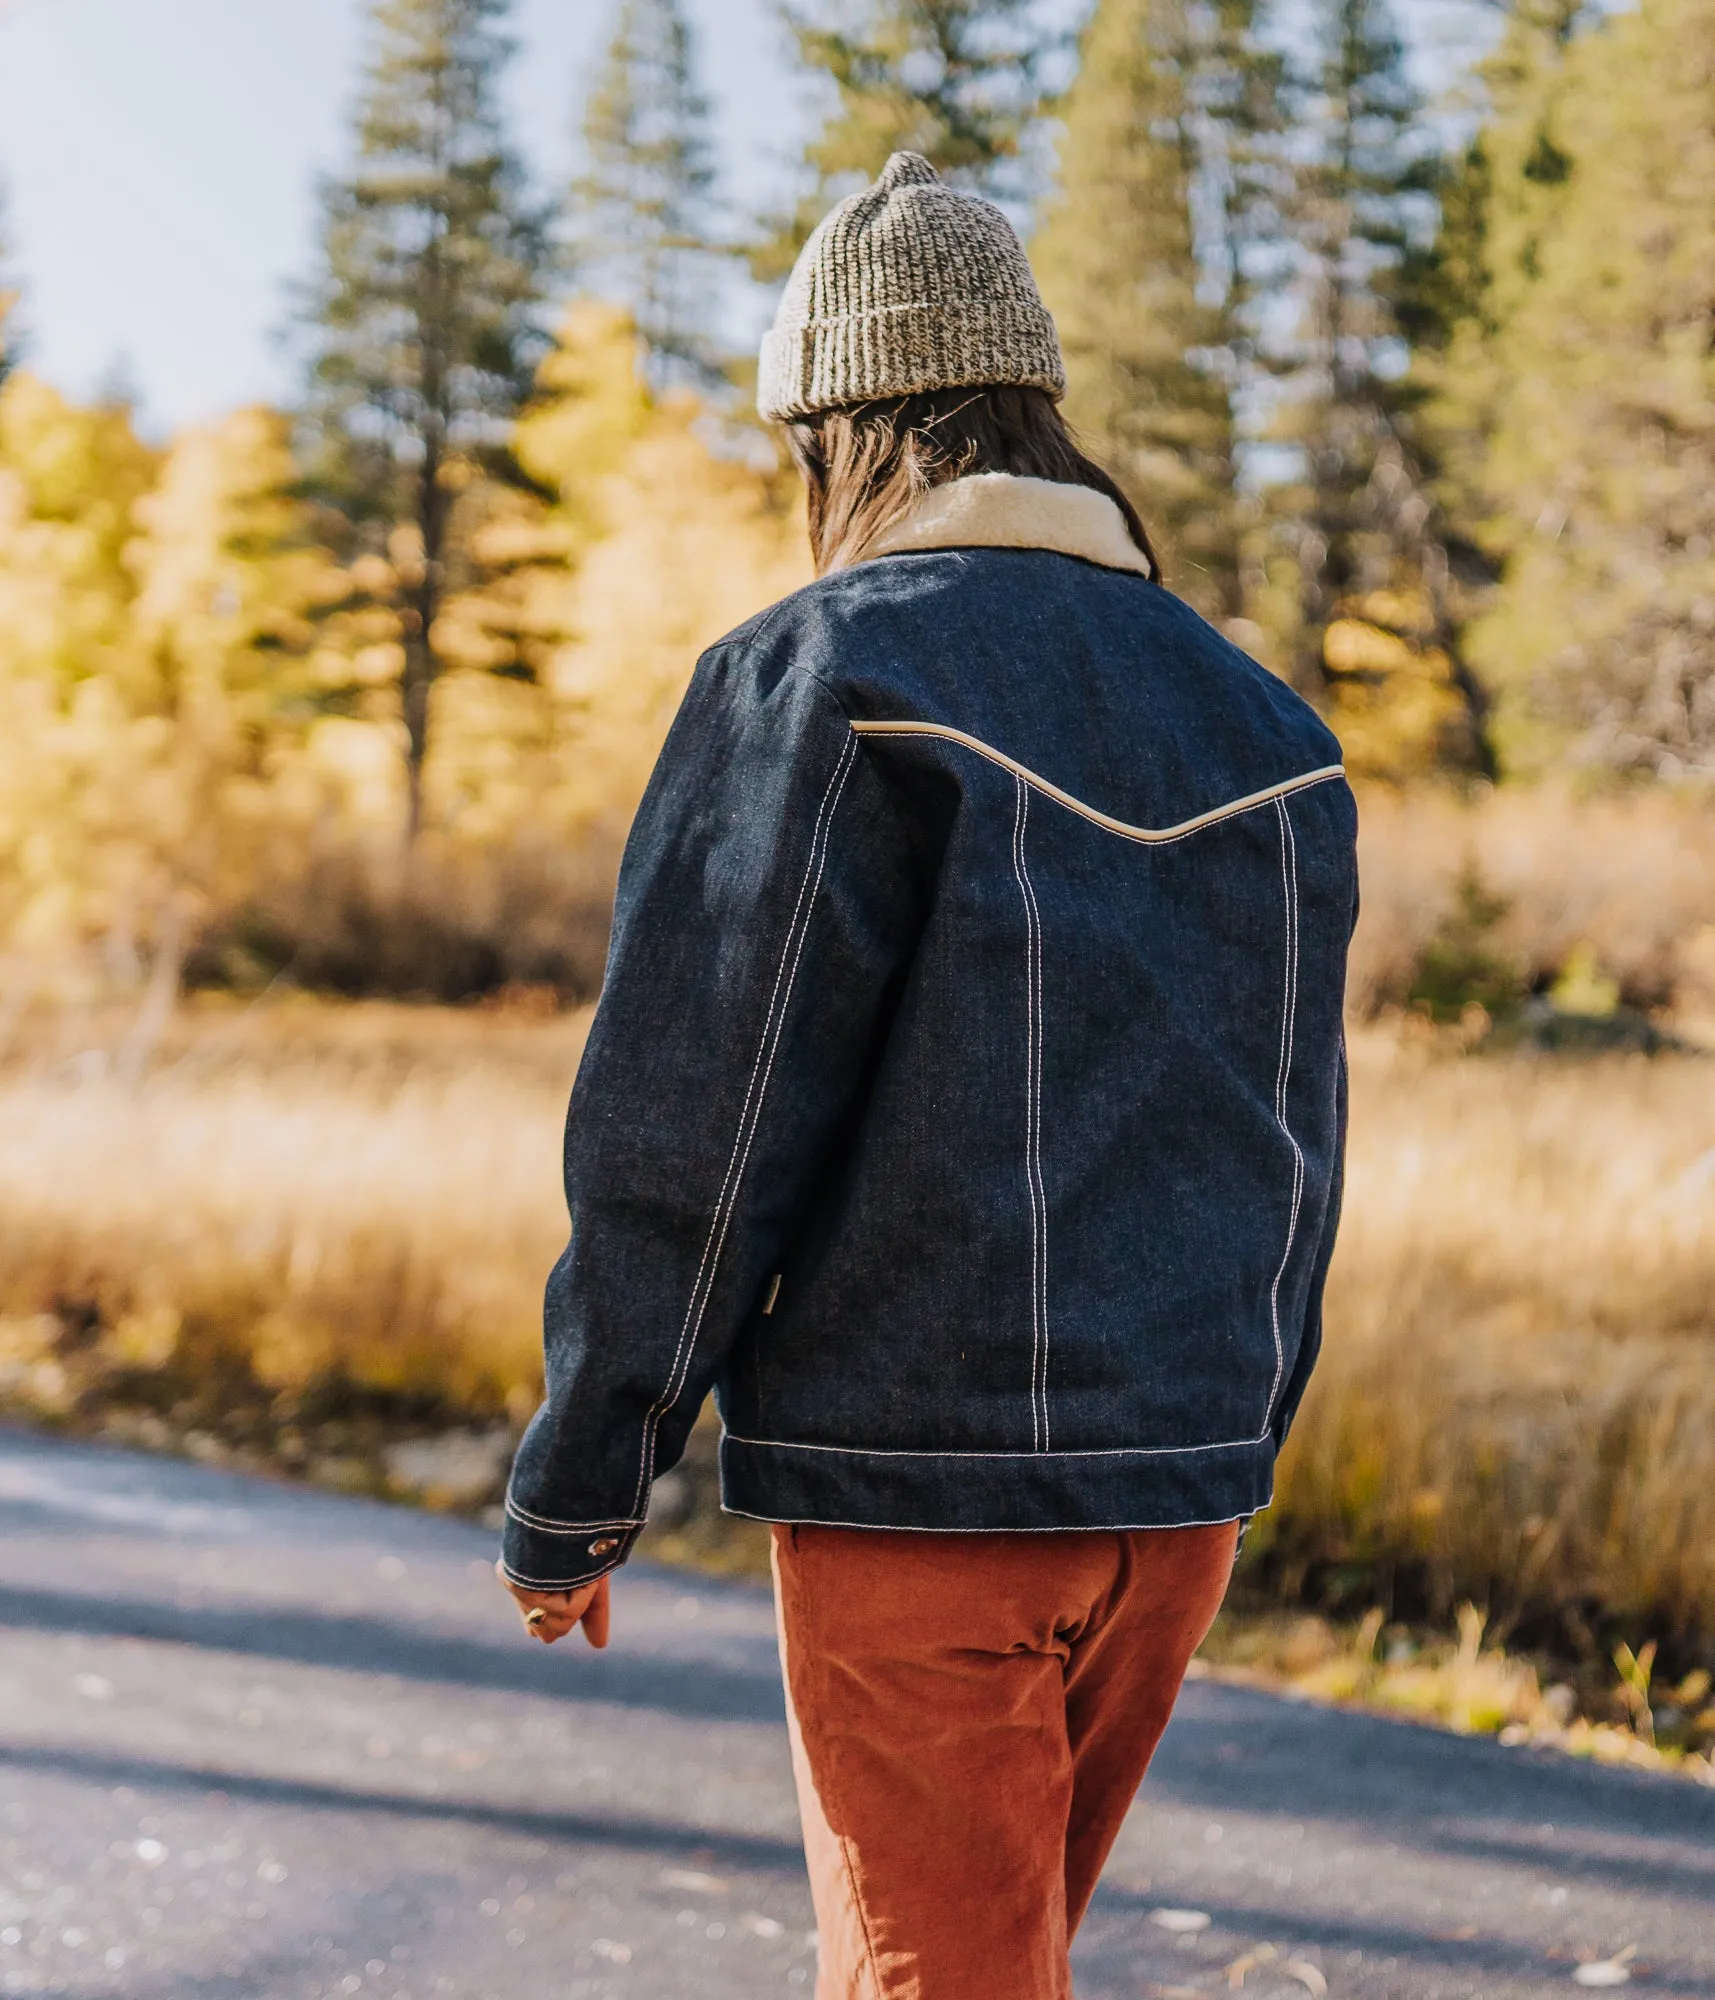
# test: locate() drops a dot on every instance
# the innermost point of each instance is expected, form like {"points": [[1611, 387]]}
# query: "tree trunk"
{"points": [[419, 678], [422, 663]]}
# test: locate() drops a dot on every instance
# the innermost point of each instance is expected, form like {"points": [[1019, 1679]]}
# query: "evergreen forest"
{"points": [[1416, 397]]}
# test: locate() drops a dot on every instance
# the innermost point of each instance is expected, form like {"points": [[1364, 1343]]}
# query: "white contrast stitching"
{"points": [[751, 1112], [1103, 1451], [1033, 1125], [749, 1116], [558, 1582], [1149, 836], [544, 1526], [1279, 1101], [779, 1030], [1283, 1078], [553, 1521], [1041, 1185]]}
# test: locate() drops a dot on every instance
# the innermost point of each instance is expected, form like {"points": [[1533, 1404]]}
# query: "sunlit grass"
{"points": [[1516, 1404], [1518, 1391], [369, 1194]]}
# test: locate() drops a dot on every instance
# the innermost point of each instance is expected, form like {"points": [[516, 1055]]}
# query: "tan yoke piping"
{"points": [[1150, 836]]}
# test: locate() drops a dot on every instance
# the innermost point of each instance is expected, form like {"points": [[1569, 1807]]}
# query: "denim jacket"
{"points": [[965, 1104]]}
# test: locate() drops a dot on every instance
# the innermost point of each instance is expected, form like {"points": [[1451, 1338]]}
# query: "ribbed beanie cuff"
{"points": [[909, 286]]}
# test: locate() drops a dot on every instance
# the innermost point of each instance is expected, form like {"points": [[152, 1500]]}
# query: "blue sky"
{"points": [[160, 156], [160, 159]]}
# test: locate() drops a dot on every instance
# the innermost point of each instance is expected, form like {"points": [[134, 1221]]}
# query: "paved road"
{"points": [[258, 1743]]}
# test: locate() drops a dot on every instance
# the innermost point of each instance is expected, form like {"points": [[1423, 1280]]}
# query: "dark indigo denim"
{"points": [[983, 1156]]}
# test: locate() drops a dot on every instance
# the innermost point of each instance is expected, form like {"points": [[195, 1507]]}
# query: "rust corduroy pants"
{"points": [[971, 1716]]}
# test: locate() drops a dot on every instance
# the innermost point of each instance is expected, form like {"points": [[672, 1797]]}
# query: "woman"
{"points": [[965, 1105]]}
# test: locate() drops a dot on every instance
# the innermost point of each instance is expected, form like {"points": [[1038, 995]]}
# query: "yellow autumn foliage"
{"points": [[665, 535], [1392, 699], [195, 697], [72, 754], [696, 541], [69, 480]]}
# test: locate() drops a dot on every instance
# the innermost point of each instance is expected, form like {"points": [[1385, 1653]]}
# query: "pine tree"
{"points": [[1356, 199], [956, 80], [1598, 473], [643, 219], [1454, 290], [426, 320], [1374, 630], [1150, 316], [1451, 294]]}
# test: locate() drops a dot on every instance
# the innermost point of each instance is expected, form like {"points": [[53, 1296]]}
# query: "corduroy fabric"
{"points": [[970, 1718], [909, 286]]}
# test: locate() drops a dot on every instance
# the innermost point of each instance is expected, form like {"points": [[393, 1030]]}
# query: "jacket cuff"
{"points": [[540, 1554]]}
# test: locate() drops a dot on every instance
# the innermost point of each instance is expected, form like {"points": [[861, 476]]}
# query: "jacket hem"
{"points": [[1021, 1492]]}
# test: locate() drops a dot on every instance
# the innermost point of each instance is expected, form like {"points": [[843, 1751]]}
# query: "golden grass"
{"points": [[1474, 1687], [1516, 1404], [368, 1194], [1517, 1397]]}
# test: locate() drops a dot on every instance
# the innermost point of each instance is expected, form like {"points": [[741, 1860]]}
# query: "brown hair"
{"points": [[866, 465]]}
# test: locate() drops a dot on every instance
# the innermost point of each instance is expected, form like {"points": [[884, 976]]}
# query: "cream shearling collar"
{"points": [[999, 510]]}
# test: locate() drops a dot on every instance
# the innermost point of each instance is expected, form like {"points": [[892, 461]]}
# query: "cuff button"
{"points": [[604, 1545]]}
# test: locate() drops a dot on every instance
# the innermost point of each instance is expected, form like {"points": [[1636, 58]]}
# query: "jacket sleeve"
{"points": [[766, 907]]}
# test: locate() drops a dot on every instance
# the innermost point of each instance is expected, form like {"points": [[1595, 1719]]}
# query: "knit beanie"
{"points": [[911, 285]]}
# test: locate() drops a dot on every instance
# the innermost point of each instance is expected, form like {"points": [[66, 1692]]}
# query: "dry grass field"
{"points": [[304, 1209], [1517, 1399], [307, 1194]]}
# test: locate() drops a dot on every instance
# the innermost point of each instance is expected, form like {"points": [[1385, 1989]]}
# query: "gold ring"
{"points": [[535, 1618]]}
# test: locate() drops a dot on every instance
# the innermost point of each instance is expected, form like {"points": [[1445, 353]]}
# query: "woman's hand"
{"points": [[550, 1614]]}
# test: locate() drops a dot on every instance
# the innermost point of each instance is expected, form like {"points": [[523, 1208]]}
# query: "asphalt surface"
{"points": [[257, 1741]]}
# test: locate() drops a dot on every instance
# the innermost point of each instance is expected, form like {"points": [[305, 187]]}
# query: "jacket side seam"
{"points": [[1033, 1123], [1283, 1079], [750, 1116], [1147, 836]]}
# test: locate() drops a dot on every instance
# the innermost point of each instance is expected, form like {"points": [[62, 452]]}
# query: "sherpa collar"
{"points": [[999, 510]]}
